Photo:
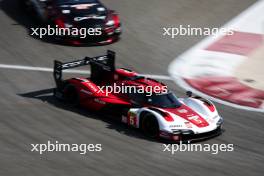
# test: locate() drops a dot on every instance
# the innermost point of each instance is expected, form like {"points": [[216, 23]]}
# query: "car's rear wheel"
{"points": [[150, 126], [70, 95]]}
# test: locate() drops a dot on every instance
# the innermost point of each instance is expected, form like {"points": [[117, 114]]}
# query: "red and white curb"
{"points": [[208, 69]]}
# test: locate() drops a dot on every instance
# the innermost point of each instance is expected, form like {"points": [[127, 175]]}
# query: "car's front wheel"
{"points": [[150, 126]]}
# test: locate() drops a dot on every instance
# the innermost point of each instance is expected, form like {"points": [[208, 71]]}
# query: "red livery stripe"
{"points": [[188, 114]]}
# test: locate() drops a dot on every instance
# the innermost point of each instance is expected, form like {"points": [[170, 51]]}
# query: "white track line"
{"points": [[42, 69], [46, 69]]}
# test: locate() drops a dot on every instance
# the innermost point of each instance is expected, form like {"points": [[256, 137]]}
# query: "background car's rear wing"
{"points": [[105, 63]]}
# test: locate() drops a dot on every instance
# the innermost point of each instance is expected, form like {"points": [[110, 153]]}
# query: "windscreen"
{"points": [[76, 1], [168, 100]]}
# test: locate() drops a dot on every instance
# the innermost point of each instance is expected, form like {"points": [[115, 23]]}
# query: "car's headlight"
{"points": [[66, 11]]}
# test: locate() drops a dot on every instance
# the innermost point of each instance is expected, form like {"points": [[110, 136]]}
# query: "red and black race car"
{"points": [[141, 102], [102, 24]]}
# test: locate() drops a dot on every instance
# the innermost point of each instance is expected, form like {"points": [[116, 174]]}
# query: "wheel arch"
{"points": [[201, 105], [156, 114]]}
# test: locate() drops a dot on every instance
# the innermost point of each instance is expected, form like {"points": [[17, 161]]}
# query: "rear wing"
{"points": [[105, 63]]}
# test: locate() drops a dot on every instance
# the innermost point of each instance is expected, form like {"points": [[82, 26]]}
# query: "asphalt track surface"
{"points": [[29, 114]]}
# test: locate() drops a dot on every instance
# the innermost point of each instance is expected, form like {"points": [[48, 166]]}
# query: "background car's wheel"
{"points": [[22, 4], [70, 95], [150, 125], [35, 9]]}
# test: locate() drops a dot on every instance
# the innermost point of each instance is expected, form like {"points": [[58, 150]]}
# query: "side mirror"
{"points": [[189, 93]]}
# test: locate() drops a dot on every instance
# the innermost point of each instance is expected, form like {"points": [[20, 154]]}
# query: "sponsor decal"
{"points": [[86, 92], [183, 111], [175, 126], [190, 115], [99, 101], [132, 119], [188, 124]]}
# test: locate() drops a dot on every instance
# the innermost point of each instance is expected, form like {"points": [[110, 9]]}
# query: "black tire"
{"points": [[28, 7], [70, 95], [150, 126], [34, 10], [22, 4]]}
